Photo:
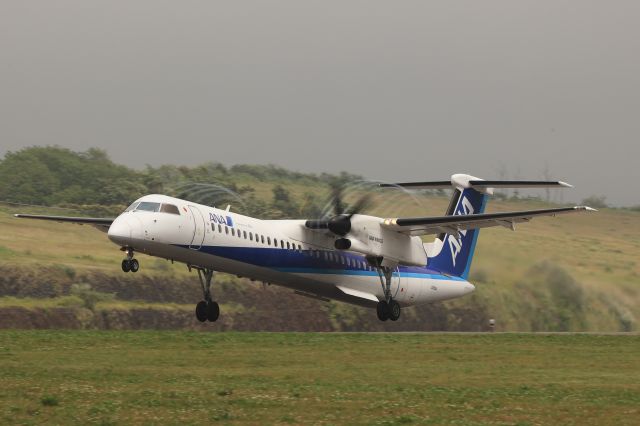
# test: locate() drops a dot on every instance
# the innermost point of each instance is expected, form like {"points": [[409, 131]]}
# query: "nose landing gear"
{"points": [[207, 309], [130, 264]]}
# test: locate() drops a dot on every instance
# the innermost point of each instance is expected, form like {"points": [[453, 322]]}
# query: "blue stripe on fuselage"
{"points": [[308, 262]]}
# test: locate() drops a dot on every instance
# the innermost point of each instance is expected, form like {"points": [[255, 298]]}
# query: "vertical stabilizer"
{"points": [[452, 254]]}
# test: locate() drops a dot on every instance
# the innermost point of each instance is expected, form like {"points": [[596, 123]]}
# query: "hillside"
{"points": [[576, 272], [565, 273]]}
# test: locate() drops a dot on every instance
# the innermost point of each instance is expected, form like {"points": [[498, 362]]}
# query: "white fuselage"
{"points": [[282, 252]]}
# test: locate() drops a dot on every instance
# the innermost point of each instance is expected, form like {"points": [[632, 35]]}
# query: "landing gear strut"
{"points": [[130, 264], [207, 309], [387, 308]]}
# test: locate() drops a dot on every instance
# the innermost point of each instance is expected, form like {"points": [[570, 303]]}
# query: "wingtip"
{"points": [[565, 184], [586, 208]]}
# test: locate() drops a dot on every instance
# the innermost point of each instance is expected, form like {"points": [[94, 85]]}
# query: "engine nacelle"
{"points": [[367, 236]]}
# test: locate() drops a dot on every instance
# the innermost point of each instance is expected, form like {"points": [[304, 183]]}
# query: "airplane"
{"points": [[364, 260]]}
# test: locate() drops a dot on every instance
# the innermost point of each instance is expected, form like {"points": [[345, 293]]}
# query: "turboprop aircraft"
{"points": [[369, 261]]}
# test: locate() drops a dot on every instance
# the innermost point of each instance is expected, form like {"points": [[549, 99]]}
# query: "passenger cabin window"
{"points": [[251, 236], [147, 206], [169, 208], [269, 240], [233, 232], [262, 239], [220, 229]]}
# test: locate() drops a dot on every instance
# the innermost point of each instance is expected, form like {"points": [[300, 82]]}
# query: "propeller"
{"points": [[340, 222]]}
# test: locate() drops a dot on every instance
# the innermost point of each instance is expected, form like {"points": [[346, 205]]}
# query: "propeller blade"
{"points": [[362, 204], [340, 222], [337, 191]]}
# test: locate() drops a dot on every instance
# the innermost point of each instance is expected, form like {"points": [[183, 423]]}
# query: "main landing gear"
{"points": [[388, 308], [207, 309], [130, 264]]}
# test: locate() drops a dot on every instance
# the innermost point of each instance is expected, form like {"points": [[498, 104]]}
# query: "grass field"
{"points": [[177, 378]]}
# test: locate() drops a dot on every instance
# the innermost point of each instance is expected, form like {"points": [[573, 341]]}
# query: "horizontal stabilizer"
{"points": [[479, 184], [518, 184], [438, 184]]}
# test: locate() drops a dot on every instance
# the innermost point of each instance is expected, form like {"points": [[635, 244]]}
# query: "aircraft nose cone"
{"points": [[120, 231]]}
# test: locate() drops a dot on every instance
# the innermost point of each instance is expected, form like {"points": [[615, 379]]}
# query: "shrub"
{"points": [[553, 299], [49, 401], [90, 297]]}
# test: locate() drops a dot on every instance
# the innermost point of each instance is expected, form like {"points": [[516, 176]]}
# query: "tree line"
{"points": [[90, 181]]}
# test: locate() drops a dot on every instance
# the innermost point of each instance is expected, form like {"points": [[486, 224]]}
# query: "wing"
{"points": [[102, 223], [454, 224]]}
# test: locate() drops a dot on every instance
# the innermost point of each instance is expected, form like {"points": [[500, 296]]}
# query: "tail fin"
{"points": [[452, 254]]}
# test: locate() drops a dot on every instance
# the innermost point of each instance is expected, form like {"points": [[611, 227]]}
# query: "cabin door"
{"points": [[198, 228]]}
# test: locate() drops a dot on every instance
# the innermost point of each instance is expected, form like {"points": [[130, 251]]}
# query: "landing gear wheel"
{"points": [[207, 309], [387, 308], [129, 264], [201, 311], [394, 310], [382, 310], [213, 311], [134, 265]]}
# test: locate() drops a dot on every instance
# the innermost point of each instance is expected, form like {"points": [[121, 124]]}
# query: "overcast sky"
{"points": [[393, 90]]}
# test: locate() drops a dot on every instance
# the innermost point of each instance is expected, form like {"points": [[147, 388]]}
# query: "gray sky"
{"points": [[394, 90]]}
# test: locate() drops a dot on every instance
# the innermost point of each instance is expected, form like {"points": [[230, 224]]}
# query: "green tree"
{"points": [[54, 175], [283, 203]]}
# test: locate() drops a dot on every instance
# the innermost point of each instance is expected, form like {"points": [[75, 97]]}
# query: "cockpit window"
{"points": [[132, 207], [169, 208], [147, 206]]}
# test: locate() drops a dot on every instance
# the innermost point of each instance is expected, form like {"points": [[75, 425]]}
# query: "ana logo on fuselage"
{"points": [[455, 244], [218, 218]]}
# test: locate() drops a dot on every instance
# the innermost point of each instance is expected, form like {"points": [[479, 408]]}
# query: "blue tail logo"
{"points": [[457, 252], [455, 244]]}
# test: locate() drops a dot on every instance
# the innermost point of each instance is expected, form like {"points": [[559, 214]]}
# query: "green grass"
{"points": [[76, 302], [179, 377]]}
